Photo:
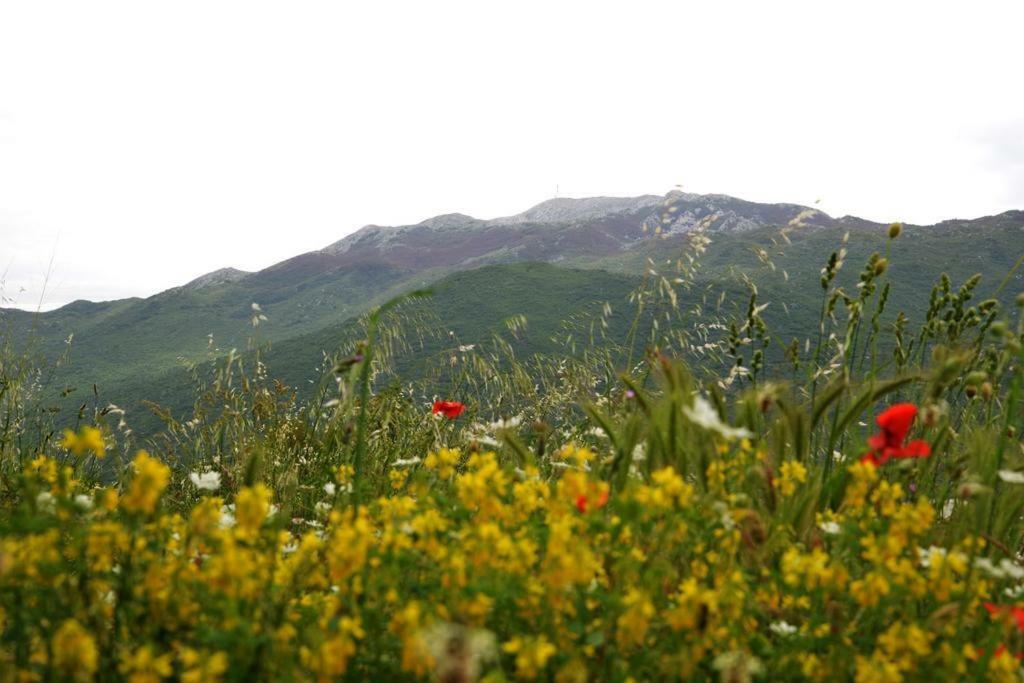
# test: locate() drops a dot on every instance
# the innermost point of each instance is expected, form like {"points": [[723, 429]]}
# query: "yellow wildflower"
{"points": [[633, 623], [144, 666], [670, 481], [203, 668], [332, 657], [206, 516], [151, 478], [693, 606], [251, 508], [532, 655], [577, 455], [74, 651], [87, 439], [863, 475], [42, 469], [792, 474], [870, 589], [876, 669], [443, 462], [345, 474]]}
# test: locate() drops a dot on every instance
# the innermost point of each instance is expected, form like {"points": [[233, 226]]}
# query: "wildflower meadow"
{"points": [[695, 501]]}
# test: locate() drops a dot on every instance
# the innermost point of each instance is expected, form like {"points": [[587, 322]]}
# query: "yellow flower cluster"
{"points": [[471, 568]]}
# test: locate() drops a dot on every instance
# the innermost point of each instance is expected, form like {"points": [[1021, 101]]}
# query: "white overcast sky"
{"points": [[145, 143]]}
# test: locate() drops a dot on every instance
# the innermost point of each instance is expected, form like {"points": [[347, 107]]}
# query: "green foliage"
{"points": [[650, 487]]}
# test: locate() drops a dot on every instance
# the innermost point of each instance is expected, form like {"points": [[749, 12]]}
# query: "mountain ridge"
{"points": [[553, 212], [673, 213]]}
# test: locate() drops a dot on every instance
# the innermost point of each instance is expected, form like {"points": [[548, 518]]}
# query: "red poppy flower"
{"points": [[1013, 611], [582, 502], [450, 409], [894, 423]]}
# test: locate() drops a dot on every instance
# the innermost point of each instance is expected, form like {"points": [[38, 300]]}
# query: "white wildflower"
{"points": [[227, 516], [639, 452], [46, 502], [737, 666], [1014, 592], [926, 555], [458, 652], [1011, 477], [1011, 569], [509, 423], [83, 501], [704, 414], [330, 489], [782, 628], [726, 515], [205, 481], [986, 565], [405, 462], [830, 528]]}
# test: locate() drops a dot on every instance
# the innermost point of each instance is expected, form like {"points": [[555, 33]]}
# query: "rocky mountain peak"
{"points": [[447, 220], [571, 210], [217, 277]]}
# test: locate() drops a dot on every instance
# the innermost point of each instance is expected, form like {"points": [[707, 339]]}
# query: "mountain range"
{"points": [[570, 252]]}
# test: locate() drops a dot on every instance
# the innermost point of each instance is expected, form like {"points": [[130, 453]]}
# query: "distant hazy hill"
{"points": [[130, 348]]}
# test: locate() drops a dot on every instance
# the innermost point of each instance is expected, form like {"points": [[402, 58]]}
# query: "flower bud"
{"points": [[971, 391], [950, 370], [975, 378], [986, 390], [970, 489], [932, 414], [1020, 299], [880, 266], [894, 230]]}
